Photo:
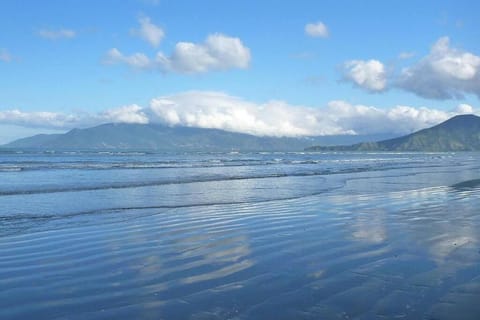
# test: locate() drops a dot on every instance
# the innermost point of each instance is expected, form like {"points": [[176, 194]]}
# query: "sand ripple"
{"points": [[408, 254]]}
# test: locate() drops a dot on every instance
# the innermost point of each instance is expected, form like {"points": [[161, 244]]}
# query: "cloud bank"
{"points": [[278, 118], [210, 109], [218, 52], [221, 111], [41, 119], [56, 120]]}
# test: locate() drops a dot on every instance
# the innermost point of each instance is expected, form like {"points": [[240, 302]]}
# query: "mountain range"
{"points": [[157, 137], [460, 133]]}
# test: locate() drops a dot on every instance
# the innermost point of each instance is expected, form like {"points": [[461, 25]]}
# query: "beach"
{"points": [[239, 235]]}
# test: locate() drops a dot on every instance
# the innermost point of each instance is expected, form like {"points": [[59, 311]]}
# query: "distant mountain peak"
{"points": [[463, 117], [461, 120]]}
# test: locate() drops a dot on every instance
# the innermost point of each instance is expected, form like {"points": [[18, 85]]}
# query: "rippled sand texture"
{"points": [[370, 246]]}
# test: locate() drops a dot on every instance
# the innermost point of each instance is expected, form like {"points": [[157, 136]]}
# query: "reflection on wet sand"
{"points": [[366, 251], [434, 254], [370, 228]]}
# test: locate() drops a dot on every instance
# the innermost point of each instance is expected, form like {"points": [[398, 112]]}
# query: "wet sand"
{"points": [[370, 247], [408, 254]]}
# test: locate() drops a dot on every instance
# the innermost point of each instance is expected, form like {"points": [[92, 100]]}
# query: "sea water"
{"points": [[125, 235]]}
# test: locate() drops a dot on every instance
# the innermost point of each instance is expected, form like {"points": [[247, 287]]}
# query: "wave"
{"points": [[196, 179], [118, 160], [466, 185], [26, 216], [19, 223]]}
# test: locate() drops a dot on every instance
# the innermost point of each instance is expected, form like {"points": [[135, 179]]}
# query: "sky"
{"points": [[275, 68]]}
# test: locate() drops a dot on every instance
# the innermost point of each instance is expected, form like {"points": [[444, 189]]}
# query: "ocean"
{"points": [[134, 235]]}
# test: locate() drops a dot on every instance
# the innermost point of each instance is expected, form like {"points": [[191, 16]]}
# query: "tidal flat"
{"points": [[128, 235]]}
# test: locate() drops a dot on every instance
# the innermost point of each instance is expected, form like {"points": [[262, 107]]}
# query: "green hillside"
{"points": [[158, 137], [460, 133]]}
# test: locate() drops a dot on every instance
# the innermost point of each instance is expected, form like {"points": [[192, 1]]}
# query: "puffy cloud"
{"points": [[218, 52], [453, 63], [464, 109], [209, 109], [317, 30], [5, 56], [445, 73], [126, 114], [277, 118], [149, 32], [369, 75], [57, 34], [399, 119], [221, 111], [136, 60]]}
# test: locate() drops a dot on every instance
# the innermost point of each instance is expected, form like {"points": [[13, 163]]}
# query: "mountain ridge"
{"points": [[157, 137], [459, 133]]}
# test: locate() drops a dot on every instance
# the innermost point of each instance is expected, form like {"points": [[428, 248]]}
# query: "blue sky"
{"points": [[249, 66]]}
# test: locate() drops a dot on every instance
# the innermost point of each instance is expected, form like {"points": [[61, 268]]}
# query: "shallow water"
{"points": [[239, 236]]}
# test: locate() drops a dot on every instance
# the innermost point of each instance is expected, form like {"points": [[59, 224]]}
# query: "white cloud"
{"points": [[399, 119], [149, 32], [126, 114], [210, 109], [317, 30], [221, 111], [277, 118], [218, 52], [5, 56], [369, 75], [136, 60], [406, 55], [445, 73], [453, 63], [41, 119], [56, 120], [57, 34], [464, 109]]}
